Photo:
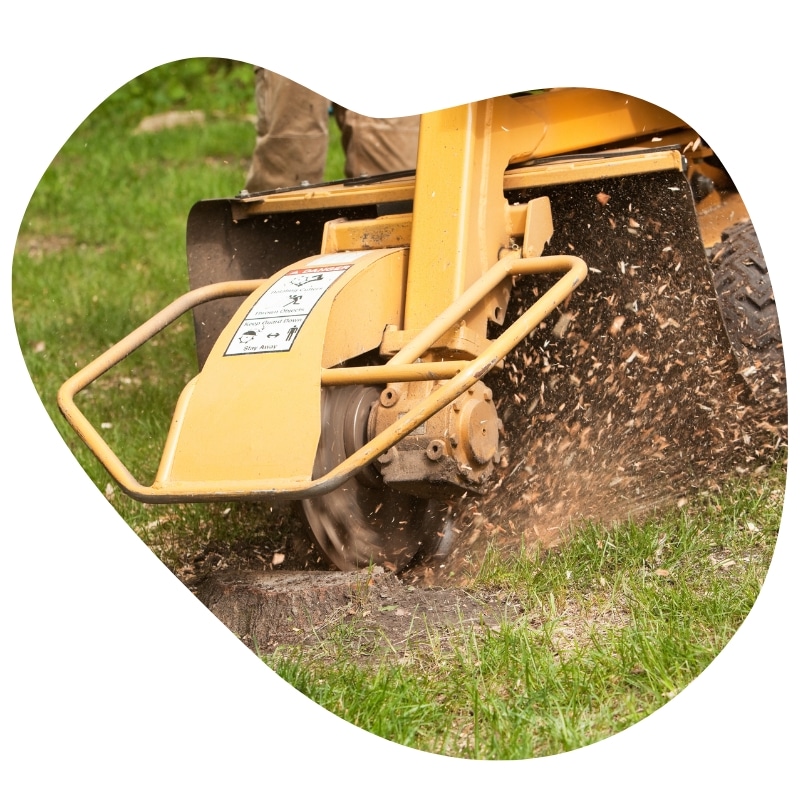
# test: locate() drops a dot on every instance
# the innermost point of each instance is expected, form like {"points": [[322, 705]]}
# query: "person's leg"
{"points": [[291, 134], [374, 146]]}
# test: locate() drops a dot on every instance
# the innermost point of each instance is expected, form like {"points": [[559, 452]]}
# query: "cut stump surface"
{"points": [[265, 609]]}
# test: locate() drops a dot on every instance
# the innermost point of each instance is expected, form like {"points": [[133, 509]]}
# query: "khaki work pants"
{"points": [[292, 137]]}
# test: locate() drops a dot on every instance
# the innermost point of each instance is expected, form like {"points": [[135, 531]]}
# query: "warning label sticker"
{"points": [[273, 323]]}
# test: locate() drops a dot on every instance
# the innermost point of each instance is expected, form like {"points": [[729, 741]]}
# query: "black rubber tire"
{"points": [[747, 304]]}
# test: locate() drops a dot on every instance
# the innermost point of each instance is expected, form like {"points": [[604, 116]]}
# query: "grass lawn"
{"points": [[600, 634], [604, 631]]}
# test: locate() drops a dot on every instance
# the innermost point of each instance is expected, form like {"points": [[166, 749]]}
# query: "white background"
{"points": [[116, 682]]}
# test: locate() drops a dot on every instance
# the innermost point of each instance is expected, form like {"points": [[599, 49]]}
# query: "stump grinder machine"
{"points": [[525, 325]]}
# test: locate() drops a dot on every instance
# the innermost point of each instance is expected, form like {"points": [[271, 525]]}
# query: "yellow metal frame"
{"points": [[460, 376], [423, 287], [559, 121]]}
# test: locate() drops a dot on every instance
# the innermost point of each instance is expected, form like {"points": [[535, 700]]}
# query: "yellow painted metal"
{"points": [[579, 119], [359, 316], [370, 232], [538, 227], [392, 373], [121, 350], [336, 195], [460, 215], [367, 234], [638, 162], [559, 121], [395, 230], [171, 486], [255, 416], [248, 426], [575, 272]]}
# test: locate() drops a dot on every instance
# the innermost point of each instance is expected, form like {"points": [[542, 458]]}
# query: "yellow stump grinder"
{"points": [[523, 331]]}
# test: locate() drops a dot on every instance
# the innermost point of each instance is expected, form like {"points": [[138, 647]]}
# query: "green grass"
{"points": [[101, 246], [606, 630], [609, 627]]}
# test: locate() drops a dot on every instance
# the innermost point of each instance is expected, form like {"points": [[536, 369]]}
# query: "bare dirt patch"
{"points": [[268, 609], [634, 404], [35, 246]]}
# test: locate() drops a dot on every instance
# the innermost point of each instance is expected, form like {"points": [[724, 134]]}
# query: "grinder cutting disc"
{"points": [[364, 522]]}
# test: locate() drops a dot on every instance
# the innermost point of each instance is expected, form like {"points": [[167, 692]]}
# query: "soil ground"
{"points": [[268, 609], [603, 423]]}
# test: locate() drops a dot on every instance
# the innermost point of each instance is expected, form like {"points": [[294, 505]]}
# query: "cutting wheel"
{"points": [[365, 522]]}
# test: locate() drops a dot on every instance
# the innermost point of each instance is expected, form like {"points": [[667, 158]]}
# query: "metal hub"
{"points": [[453, 452], [365, 522]]}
